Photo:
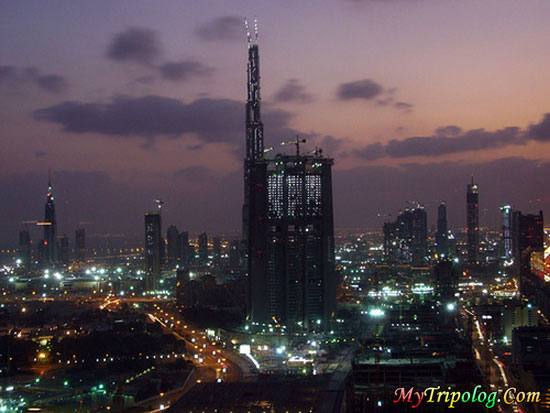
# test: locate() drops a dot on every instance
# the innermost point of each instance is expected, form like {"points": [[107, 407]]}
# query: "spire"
{"points": [[254, 125]]}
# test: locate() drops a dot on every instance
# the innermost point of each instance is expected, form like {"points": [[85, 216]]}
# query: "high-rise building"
{"points": [[507, 242], [203, 248], [254, 130], [446, 280], [288, 225], [25, 248], [235, 254], [442, 236], [153, 241], [406, 239], [472, 221], [80, 244], [172, 243], [50, 228], [530, 241], [185, 253], [64, 249]]}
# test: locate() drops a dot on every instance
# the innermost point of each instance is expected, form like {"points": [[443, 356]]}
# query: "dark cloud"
{"points": [[293, 91], [40, 154], [135, 44], [184, 70], [224, 28], [448, 131], [52, 83], [540, 131], [17, 77], [403, 106], [360, 89], [212, 120], [371, 152]]}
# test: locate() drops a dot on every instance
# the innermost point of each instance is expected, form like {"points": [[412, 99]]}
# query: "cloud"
{"points": [[135, 44], [540, 131], [181, 71], [361, 89], [52, 83], [293, 91], [452, 139], [404, 106], [40, 154], [211, 120], [224, 28], [21, 76]]}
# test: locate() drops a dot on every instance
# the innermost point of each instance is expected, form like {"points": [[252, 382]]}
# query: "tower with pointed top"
{"points": [[50, 227], [253, 123], [472, 221]]}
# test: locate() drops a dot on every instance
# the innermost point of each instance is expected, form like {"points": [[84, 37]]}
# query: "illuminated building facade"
{"points": [[472, 221], [507, 247]]}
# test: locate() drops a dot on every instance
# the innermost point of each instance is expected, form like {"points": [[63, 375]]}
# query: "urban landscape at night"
{"points": [[162, 250]]}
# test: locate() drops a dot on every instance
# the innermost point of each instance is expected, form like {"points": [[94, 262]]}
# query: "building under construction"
{"points": [[288, 225]]}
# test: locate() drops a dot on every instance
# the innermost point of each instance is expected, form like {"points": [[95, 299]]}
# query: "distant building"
{"points": [[507, 242], [472, 221], [203, 248], [406, 239], [64, 249], [185, 253], [216, 248], [235, 254], [80, 244], [25, 248], [441, 237], [530, 241], [49, 249], [172, 243], [153, 246], [446, 280]]}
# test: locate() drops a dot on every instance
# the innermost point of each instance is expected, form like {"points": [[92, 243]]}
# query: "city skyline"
{"points": [[384, 113]]}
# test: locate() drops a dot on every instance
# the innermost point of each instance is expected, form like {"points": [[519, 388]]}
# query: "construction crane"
{"points": [[317, 152], [268, 149], [296, 142], [159, 203]]}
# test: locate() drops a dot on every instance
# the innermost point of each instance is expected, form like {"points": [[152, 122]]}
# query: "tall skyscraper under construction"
{"points": [[287, 224], [406, 239], [50, 228], [472, 221]]}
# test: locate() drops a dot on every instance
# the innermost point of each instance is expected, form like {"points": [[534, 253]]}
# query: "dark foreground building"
{"points": [[153, 246], [287, 226]]}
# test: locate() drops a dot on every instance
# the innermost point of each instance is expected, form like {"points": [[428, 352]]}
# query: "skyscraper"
{"points": [[203, 248], [253, 126], [64, 249], [441, 236], [288, 226], [80, 244], [153, 241], [50, 228], [25, 248], [172, 243], [507, 242], [406, 239], [530, 241], [472, 221], [184, 252]]}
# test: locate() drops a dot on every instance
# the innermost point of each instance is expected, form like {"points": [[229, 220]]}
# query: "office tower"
{"points": [[530, 235], [50, 228], [153, 241], [472, 221], [80, 244], [507, 243], [203, 248], [406, 239], [172, 243], [25, 248], [441, 236], [64, 249], [185, 253], [289, 226]]}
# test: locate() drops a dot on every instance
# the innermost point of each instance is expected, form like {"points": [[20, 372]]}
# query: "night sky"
{"points": [[130, 101]]}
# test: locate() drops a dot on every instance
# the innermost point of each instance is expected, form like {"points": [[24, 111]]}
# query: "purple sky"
{"points": [[131, 101]]}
